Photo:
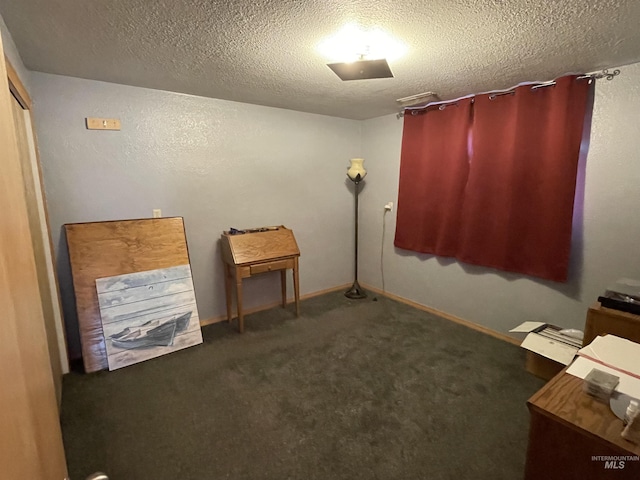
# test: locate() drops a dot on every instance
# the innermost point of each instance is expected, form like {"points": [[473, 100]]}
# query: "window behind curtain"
{"points": [[504, 199]]}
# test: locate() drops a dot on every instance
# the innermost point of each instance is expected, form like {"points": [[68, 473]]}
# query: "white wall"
{"points": [[218, 164], [605, 247], [221, 164]]}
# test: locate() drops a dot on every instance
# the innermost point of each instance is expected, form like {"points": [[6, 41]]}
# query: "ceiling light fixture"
{"points": [[359, 54], [362, 69]]}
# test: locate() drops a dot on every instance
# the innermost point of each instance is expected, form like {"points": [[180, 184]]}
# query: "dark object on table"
{"points": [[621, 305], [235, 231], [623, 295]]}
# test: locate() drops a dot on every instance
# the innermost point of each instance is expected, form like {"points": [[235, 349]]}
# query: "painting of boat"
{"points": [[147, 314], [156, 335]]}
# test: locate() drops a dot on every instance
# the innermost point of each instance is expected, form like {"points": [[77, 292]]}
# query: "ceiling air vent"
{"points": [[419, 99]]}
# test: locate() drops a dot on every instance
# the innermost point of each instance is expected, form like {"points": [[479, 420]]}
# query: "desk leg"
{"points": [[283, 283], [296, 285], [228, 285], [239, 302]]}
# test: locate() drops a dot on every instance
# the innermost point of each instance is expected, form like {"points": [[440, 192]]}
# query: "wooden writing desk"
{"points": [[249, 254], [568, 428]]}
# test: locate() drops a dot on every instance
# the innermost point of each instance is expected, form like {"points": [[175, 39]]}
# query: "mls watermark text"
{"points": [[615, 462]]}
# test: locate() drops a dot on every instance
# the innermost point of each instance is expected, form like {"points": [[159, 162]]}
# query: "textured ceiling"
{"points": [[265, 51]]}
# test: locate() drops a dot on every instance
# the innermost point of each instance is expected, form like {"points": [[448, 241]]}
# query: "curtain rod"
{"points": [[606, 74]]}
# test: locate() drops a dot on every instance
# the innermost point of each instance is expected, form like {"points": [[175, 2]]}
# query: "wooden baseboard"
{"points": [[406, 301], [223, 317], [447, 316]]}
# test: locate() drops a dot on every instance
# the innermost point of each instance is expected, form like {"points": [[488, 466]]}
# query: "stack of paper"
{"points": [[614, 355]]}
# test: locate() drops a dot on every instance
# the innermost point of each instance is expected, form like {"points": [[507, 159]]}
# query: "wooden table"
{"points": [[568, 429], [601, 321], [249, 254]]}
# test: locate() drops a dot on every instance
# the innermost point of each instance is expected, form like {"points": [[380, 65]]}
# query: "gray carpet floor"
{"points": [[352, 389]]}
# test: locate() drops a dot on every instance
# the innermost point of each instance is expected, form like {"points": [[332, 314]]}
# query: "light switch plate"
{"points": [[103, 123]]}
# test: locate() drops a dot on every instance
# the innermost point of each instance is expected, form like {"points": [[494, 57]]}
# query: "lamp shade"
{"points": [[356, 171]]}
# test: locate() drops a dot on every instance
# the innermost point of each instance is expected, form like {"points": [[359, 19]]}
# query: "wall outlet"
{"points": [[157, 213], [388, 207]]}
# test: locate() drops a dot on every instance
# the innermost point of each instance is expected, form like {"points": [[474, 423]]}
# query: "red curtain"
{"points": [[515, 207], [433, 172]]}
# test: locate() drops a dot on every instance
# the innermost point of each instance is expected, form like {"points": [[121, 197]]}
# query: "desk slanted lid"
{"points": [[258, 246]]}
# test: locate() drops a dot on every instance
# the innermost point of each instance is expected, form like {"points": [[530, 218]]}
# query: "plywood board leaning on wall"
{"points": [[106, 249]]}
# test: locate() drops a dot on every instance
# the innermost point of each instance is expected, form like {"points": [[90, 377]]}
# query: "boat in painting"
{"points": [[151, 334]]}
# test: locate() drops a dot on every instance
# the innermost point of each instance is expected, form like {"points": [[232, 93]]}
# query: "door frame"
{"points": [[31, 443], [58, 344]]}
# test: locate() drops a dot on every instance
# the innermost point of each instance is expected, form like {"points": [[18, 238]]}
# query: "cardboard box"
{"points": [[548, 350], [542, 367]]}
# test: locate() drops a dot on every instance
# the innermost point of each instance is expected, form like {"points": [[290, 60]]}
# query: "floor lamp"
{"points": [[356, 174]]}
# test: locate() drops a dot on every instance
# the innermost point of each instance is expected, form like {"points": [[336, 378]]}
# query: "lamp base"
{"points": [[355, 292]]}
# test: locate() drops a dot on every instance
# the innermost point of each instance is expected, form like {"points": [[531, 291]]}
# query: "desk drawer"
{"points": [[271, 266]]}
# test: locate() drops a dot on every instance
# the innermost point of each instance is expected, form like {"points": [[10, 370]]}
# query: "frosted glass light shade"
{"points": [[356, 171], [354, 42]]}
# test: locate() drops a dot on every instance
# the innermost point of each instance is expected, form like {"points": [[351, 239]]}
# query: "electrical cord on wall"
{"points": [[388, 306], [384, 223]]}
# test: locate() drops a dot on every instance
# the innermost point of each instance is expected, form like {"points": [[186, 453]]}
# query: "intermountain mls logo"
{"points": [[615, 462]]}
